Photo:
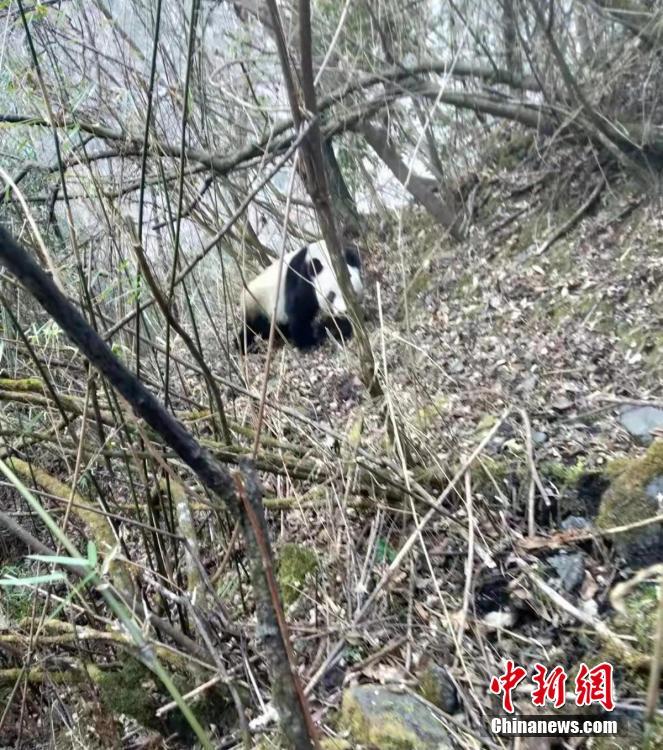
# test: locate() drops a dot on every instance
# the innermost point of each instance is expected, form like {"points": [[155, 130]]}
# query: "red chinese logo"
{"points": [[549, 686], [506, 683], [595, 686]]}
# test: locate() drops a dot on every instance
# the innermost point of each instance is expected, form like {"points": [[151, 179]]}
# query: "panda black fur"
{"points": [[308, 286]]}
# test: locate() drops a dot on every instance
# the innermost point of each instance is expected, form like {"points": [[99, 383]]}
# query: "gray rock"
{"points": [[539, 437], [387, 718], [575, 523], [639, 421], [570, 568], [655, 490]]}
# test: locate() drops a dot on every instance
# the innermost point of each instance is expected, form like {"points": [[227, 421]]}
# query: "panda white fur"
{"points": [[308, 285]]}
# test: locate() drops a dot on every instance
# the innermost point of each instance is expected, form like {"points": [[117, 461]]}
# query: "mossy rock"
{"points": [[384, 718], [633, 496], [276, 741], [295, 563], [437, 688]]}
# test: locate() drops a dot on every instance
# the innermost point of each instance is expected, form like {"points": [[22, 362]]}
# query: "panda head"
{"points": [[327, 289]]}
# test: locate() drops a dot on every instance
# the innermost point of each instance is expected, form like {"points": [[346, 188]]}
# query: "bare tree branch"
{"points": [[288, 695], [419, 187]]}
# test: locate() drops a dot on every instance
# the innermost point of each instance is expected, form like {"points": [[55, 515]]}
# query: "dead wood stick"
{"points": [[568, 225]]}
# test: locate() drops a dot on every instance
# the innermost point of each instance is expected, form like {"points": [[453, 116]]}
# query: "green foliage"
{"points": [[384, 551], [85, 565], [16, 600], [295, 562], [227, 585], [47, 334]]}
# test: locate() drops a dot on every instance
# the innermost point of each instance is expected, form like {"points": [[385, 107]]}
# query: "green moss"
{"points": [[295, 563], [616, 466], [631, 498], [32, 385], [379, 717], [490, 471], [334, 743], [133, 691], [563, 474], [641, 615], [486, 423], [437, 688], [429, 687], [626, 501], [388, 734], [427, 415], [130, 691]]}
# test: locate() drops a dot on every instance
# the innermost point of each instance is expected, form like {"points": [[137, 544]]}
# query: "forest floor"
{"points": [[551, 308], [506, 361]]}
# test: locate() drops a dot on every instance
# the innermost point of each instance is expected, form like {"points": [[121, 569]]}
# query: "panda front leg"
{"points": [[255, 325], [338, 327], [244, 340], [303, 333]]}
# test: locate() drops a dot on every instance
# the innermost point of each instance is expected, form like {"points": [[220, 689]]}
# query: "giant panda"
{"points": [[308, 286]]}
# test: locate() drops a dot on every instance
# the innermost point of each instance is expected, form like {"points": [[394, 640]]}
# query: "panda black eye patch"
{"points": [[316, 266]]}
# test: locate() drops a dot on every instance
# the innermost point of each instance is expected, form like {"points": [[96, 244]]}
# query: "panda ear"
{"points": [[316, 266], [352, 256]]}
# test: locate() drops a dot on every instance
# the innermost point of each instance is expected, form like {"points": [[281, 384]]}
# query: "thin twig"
{"points": [[568, 225]]}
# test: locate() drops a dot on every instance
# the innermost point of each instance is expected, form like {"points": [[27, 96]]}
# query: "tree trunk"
{"points": [[510, 38], [420, 188], [343, 202]]}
